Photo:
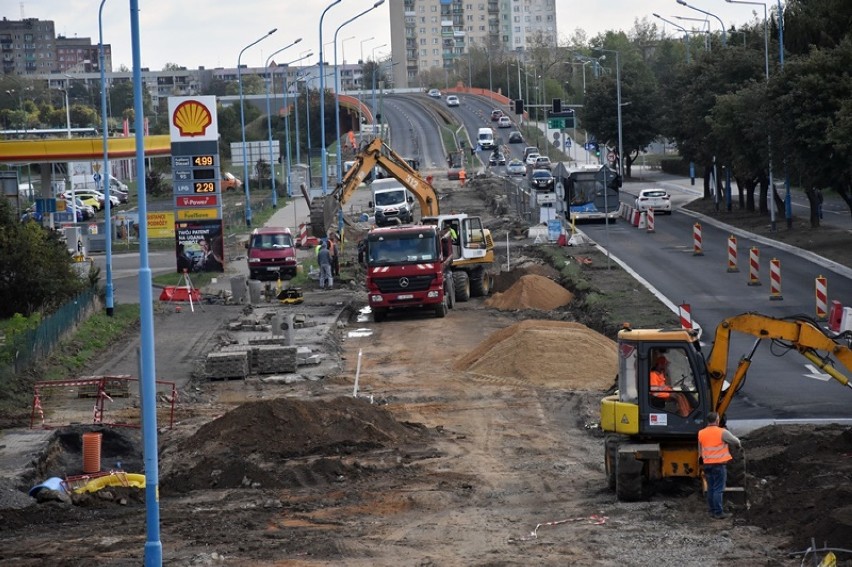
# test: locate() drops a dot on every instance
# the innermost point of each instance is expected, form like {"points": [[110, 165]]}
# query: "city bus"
{"points": [[590, 191]]}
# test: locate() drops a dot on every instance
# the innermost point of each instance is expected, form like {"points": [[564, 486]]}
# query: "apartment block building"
{"points": [[433, 34], [30, 47]]}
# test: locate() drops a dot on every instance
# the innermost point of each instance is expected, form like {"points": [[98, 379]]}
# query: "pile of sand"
{"points": [[531, 292], [546, 353]]}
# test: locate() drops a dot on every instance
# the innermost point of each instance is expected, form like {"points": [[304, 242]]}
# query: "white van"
{"points": [[485, 138], [392, 202]]}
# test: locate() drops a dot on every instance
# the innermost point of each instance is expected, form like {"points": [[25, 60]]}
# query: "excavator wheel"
{"points": [[610, 455], [461, 283], [480, 283], [631, 484]]}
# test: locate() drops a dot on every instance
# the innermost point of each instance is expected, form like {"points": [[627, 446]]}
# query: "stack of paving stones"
{"points": [[266, 358], [227, 364]]}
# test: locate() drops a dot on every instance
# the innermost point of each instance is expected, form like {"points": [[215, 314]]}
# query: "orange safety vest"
{"points": [[659, 388], [714, 450]]}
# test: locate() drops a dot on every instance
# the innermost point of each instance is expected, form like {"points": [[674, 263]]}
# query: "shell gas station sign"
{"points": [[196, 170]]}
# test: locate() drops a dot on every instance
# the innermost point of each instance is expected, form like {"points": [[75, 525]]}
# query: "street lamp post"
{"points": [[323, 156], [375, 68], [681, 28], [706, 22], [721, 24], [618, 103], [243, 123], [361, 86], [105, 173], [286, 90], [337, 86], [269, 120]]}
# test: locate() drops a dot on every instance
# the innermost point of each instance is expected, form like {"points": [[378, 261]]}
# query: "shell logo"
{"points": [[192, 118]]}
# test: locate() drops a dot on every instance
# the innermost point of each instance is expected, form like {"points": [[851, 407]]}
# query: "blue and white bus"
{"points": [[590, 191]]}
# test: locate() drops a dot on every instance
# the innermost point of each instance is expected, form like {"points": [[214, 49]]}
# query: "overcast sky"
{"points": [[211, 33]]}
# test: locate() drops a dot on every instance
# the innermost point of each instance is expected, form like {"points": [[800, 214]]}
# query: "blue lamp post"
{"points": [[243, 123], [269, 120], [337, 87], [286, 90], [323, 153], [110, 299]]}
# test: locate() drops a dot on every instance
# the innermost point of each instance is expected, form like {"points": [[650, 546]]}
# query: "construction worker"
{"points": [[326, 280], [462, 176], [713, 441], [661, 390]]}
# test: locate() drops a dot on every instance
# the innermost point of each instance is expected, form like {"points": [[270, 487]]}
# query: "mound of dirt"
{"points": [[798, 482], [531, 292], [546, 353], [284, 443]]}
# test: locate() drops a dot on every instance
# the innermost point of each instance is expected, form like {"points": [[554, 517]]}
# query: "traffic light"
{"points": [[519, 106], [557, 106]]}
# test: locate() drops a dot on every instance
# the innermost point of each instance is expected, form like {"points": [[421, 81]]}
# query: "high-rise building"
{"points": [[30, 47], [433, 34]]}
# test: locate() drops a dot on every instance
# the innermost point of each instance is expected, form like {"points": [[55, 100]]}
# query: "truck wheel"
{"points": [[461, 283], [480, 283], [450, 292], [441, 309], [610, 454], [379, 314], [630, 482]]}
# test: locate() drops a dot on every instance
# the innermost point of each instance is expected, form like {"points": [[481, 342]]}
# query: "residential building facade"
{"points": [[30, 47]]}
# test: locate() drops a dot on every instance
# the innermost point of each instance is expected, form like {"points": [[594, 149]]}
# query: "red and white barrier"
{"points": [[732, 254], [696, 240], [303, 235], [835, 316], [775, 279], [635, 220], [821, 289], [754, 266], [650, 220], [642, 220], [685, 313]]}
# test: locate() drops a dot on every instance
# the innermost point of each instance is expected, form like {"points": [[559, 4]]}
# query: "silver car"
{"points": [[516, 167]]}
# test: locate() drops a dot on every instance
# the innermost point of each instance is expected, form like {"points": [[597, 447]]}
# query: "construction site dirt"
{"points": [[469, 440]]}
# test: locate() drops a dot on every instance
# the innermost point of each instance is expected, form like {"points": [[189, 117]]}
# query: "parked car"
{"points": [[434, 93], [516, 138], [119, 194], [84, 211], [531, 159], [541, 180], [230, 182], [542, 162], [452, 100], [87, 199], [496, 114], [504, 122], [516, 167], [497, 158], [655, 198]]}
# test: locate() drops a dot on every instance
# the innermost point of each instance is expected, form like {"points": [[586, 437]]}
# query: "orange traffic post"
{"points": [[821, 298], [696, 240], [732, 254], [650, 220], [775, 279], [754, 266], [685, 313]]}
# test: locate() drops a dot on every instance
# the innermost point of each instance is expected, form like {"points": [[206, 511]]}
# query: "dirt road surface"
{"points": [[472, 440]]}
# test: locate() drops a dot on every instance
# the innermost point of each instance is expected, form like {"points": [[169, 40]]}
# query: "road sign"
{"points": [[556, 123], [610, 157], [97, 177]]}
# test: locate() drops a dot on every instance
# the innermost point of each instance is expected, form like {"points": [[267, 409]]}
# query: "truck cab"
{"points": [[271, 253]]}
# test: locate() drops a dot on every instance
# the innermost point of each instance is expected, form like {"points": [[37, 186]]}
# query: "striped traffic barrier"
{"points": [[650, 220], [635, 220], [303, 235], [696, 240], [642, 221], [732, 254], [821, 298], [685, 314], [754, 266], [835, 316], [775, 279]]}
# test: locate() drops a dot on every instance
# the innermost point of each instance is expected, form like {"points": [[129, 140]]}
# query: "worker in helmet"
{"points": [[662, 391]]}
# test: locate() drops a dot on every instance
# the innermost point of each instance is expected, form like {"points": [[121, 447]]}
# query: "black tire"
{"points": [[379, 314], [461, 284], [630, 482], [610, 455], [450, 292], [441, 309], [480, 283]]}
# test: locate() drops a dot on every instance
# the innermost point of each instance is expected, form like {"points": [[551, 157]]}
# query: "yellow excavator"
{"points": [[473, 245], [650, 436]]}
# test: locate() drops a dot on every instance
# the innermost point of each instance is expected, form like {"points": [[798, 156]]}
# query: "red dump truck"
{"points": [[409, 267]]}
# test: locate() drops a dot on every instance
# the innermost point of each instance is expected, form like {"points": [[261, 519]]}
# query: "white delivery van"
{"points": [[485, 138], [392, 202]]}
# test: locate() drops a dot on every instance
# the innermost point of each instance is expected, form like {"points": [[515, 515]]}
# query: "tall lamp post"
{"points": [[361, 86], [721, 24], [618, 102], [243, 122], [375, 69], [286, 90], [323, 156], [769, 140], [105, 172], [269, 120], [337, 86], [681, 28], [706, 22], [68, 165]]}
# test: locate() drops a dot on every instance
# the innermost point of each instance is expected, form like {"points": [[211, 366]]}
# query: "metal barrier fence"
{"points": [[25, 348], [521, 200]]}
